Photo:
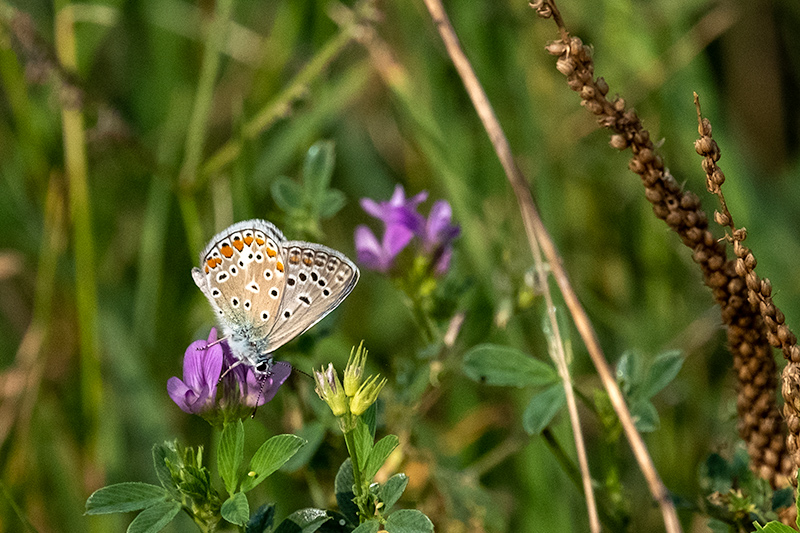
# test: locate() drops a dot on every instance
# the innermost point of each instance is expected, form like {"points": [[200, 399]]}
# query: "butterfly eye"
{"points": [[262, 366]]}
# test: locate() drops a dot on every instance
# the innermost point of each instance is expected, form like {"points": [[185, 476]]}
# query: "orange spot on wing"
{"points": [[279, 266], [206, 269], [211, 262], [237, 243], [259, 241], [226, 250], [248, 240], [271, 252], [307, 260], [218, 260]]}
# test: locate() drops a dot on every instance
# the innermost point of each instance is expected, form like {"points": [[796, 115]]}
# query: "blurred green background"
{"points": [[184, 131]]}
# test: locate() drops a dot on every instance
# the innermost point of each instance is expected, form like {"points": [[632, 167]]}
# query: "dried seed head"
{"points": [[602, 86], [702, 145], [556, 48], [565, 65], [618, 141], [542, 8], [721, 218], [750, 260], [766, 288]]}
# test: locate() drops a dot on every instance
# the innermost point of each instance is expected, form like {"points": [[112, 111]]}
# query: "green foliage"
{"points": [[270, 457], [506, 366], [311, 200], [187, 129], [542, 408]]}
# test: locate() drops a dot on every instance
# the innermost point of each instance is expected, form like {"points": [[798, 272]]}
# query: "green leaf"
{"points": [[773, 527], [317, 172], [231, 454], [313, 433], [392, 490], [408, 521], [363, 442], [542, 408], [370, 526], [344, 492], [645, 416], [271, 456], [124, 497], [333, 201], [378, 455], [303, 521], [155, 518], [370, 419], [287, 194], [236, 510], [627, 371], [504, 366], [161, 453], [664, 369]]}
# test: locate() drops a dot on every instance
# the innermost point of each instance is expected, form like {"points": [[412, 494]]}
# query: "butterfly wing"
{"points": [[242, 275], [318, 278]]}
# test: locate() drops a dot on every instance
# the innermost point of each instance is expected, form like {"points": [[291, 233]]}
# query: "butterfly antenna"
{"points": [[263, 380], [306, 374]]}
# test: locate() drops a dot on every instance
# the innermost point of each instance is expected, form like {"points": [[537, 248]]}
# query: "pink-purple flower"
{"points": [[402, 223], [203, 364]]}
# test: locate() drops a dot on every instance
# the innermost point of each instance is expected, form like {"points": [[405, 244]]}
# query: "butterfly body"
{"points": [[266, 290]]}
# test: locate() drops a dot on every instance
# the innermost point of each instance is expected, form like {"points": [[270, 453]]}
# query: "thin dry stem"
{"points": [[538, 236]]}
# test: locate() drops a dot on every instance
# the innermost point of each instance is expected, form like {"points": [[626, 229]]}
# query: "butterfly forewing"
{"points": [[242, 276], [318, 278]]}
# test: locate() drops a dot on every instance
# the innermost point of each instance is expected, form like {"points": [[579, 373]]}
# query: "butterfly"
{"points": [[266, 290]]}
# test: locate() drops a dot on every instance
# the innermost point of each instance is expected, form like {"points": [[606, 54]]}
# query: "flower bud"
{"points": [[330, 390], [354, 371], [367, 395]]}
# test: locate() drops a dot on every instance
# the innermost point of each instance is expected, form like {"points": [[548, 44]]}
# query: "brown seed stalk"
{"points": [[759, 417]]}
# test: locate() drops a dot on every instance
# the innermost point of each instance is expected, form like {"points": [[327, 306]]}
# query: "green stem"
{"points": [[75, 162], [281, 105], [358, 485], [197, 129]]}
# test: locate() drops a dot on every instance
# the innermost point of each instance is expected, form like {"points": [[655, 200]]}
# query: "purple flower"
{"points": [[380, 256], [202, 366], [438, 235], [399, 210], [403, 223], [249, 390], [204, 363]]}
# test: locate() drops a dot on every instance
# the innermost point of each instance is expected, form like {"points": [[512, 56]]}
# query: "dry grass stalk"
{"points": [[759, 417], [758, 378], [538, 236]]}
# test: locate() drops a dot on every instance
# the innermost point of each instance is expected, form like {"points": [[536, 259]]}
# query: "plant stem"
{"points": [[539, 236], [196, 133], [358, 485], [280, 106], [76, 166]]}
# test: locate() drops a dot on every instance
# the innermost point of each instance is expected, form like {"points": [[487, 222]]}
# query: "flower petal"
{"points": [[368, 249], [395, 239], [280, 373]]}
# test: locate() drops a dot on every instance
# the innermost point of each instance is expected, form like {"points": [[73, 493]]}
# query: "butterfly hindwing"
{"points": [[318, 278]]}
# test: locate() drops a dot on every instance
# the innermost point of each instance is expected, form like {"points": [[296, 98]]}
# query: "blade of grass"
{"points": [[281, 104], [76, 166], [198, 123]]}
